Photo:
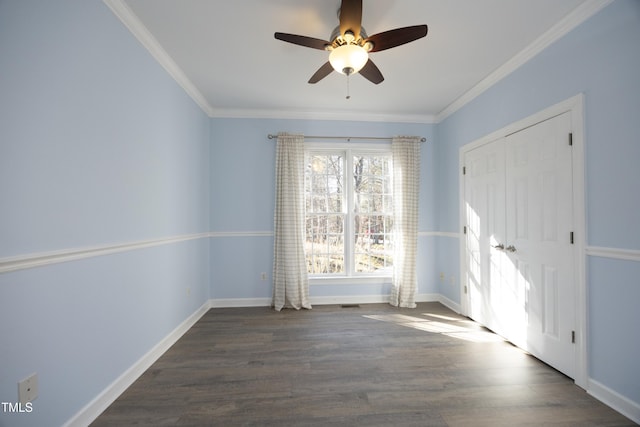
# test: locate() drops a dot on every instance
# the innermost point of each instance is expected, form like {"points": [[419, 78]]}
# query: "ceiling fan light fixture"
{"points": [[349, 45], [348, 59]]}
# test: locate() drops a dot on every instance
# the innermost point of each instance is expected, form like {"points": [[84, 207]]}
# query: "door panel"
{"points": [[484, 210], [550, 308], [549, 209], [538, 225], [521, 207]]}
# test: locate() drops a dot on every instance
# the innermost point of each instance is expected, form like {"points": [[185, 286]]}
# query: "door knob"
{"points": [[511, 248], [499, 247]]}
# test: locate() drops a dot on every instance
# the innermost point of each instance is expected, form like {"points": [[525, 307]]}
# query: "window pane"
{"points": [[324, 183], [324, 245], [336, 244], [387, 204], [336, 163], [363, 263], [377, 203], [318, 164]]}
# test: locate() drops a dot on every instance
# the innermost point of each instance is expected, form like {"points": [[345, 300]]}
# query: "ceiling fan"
{"points": [[350, 46]]}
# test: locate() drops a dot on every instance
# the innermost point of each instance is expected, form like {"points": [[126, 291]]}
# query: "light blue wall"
{"points": [[242, 181], [600, 58], [98, 146], [614, 324]]}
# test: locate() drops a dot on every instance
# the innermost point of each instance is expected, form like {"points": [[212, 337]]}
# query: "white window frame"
{"points": [[348, 150]]}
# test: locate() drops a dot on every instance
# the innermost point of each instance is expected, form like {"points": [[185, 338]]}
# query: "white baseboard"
{"points": [[239, 302], [615, 400], [427, 298], [350, 299], [101, 402], [329, 300], [449, 303], [368, 299]]}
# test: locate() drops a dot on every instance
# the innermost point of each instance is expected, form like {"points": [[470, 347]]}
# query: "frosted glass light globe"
{"points": [[348, 59]]}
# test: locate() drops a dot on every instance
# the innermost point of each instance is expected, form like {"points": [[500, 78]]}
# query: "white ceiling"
{"points": [[225, 56]]}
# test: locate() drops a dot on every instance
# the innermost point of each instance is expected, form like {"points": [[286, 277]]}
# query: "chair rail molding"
{"points": [[23, 262], [615, 253]]}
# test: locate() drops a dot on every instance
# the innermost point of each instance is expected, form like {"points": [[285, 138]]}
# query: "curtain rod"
{"points": [[348, 138]]}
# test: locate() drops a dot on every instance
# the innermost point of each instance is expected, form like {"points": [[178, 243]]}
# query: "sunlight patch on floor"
{"points": [[462, 329]]}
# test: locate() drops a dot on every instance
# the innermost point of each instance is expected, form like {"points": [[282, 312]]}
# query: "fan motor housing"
{"points": [[336, 37]]}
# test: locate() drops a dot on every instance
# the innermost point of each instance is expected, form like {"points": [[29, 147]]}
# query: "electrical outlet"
{"points": [[188, 291], [442, 276], [452, 280], [263, 276], [28, 388]]}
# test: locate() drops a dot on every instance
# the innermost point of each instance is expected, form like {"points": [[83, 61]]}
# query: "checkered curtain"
{"points": [[290, 280], [406, 181]]}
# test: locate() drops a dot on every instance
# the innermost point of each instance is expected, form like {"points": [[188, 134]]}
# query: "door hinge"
{"points": [[464, 229], [573, 337], [571, 237], [464, 170], [570, 139], [465, 289]]}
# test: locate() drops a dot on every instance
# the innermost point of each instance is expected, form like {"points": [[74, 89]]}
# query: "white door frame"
{"points": [[574, 105]]}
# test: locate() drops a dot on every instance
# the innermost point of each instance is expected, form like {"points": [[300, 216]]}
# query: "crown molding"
{"points": [[359, 116], [138, 29], [560, 29]]}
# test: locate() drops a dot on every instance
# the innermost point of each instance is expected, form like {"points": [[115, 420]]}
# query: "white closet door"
{"points": [[539, 287], [485, 219], [519, 257]]}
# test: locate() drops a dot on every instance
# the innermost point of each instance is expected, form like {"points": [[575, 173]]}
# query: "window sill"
{"points": [[350, 280]]}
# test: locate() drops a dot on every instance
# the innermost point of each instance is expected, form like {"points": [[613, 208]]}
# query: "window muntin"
{"points": [[349, 213]]}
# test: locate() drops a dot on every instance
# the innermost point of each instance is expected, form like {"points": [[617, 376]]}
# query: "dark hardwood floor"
{"points": [[369, 366]]}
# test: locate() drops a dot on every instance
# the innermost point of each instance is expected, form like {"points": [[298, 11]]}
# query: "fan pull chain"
{"points": [[348, 94]]}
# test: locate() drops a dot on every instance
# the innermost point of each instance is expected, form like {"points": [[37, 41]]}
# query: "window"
{"points": [[349, 213]]}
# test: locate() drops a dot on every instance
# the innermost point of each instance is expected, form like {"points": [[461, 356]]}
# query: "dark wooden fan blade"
{"points": [[397, 37], [371, 72], [302, 40], [351, 17], [322, 72]]}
